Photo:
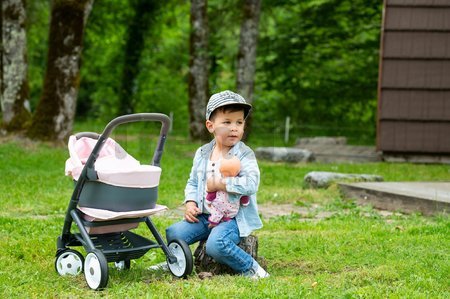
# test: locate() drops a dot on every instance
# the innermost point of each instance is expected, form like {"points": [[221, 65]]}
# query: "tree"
{"points": [[246, 58], [198, 69], [55, 112], [14, 96], [144, 14]]}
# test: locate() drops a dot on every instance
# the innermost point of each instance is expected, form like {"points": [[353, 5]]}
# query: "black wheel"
{"points": [[123, 265], [96, 270], [69, 262], [184, 263]]}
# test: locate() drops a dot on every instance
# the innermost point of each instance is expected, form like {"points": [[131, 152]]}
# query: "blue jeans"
{"points": [[221, 242]]}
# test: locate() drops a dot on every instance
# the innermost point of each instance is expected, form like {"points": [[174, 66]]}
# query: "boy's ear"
{"points": [[210, 126]]}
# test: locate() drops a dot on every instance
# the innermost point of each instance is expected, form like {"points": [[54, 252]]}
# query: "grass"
{"points": [[354, 253]]}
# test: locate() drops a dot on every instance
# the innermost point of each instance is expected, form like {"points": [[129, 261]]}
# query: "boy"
{"points": [[225, 119]]}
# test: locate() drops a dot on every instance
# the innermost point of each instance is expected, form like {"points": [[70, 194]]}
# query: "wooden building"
{"points": [[414, 82]]}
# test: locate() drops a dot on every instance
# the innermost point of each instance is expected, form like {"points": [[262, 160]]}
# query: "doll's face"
{"points": [[230, 167], [227, 127]]}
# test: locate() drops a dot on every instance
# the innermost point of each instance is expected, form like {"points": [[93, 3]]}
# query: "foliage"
{"points": [[355, 252], [317, 62], [223, 44], [160, 85], [102, 58], [165, 61]]}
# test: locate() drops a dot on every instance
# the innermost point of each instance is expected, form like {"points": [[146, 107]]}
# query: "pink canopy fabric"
{"points": [[114, 165]]}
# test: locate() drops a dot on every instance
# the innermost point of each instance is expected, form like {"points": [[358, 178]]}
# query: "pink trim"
{"points": [[92, 214]]}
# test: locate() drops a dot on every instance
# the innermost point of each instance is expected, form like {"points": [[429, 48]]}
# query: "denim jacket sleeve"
{"points": [[247, 182], [191, 190]]}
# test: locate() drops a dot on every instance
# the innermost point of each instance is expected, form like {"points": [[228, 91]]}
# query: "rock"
{"points": [[323, 179], [205, 275], [205, 264], [284, 154], [305, 141]]}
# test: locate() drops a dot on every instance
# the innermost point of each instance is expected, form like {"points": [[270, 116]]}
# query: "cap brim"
{"points": [[247, 107]]}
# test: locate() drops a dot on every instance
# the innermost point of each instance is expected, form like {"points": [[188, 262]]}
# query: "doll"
{"points": [[218, 205]]}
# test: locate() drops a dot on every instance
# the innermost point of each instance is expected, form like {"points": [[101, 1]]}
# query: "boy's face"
{"points": [[227, 127]]}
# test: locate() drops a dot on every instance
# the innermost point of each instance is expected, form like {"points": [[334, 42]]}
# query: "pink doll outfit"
{"points": [[220, 207]]}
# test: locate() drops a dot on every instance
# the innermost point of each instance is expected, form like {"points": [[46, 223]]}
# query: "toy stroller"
{"points": [[113, 194]]}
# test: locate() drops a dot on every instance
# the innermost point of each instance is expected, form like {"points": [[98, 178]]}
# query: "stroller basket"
{"points": [[122, 246]]}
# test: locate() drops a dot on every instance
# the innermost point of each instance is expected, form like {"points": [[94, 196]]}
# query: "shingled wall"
{"points": [[414, 83]]}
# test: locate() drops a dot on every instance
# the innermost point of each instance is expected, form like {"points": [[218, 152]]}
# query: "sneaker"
{"points": [[159, 267], [256, 272]]}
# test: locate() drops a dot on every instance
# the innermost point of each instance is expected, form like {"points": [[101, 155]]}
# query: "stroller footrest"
{"points": [[122, 246]]}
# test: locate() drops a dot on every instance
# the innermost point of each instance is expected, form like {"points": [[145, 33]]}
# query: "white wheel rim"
{"points": [[179, 266], [69, 263], [92, 270]]}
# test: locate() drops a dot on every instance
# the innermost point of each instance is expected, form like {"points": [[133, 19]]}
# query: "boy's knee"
{"points": [[216, 248], [212, 249]]}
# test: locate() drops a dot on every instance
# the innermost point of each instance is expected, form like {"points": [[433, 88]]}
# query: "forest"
{"points": [[316, 62]]}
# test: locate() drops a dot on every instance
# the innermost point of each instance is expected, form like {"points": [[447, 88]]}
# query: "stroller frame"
{"points": [[119, 247]]}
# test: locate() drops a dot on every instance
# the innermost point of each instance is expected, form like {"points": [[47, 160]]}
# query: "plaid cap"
{"points": [[224, 98]]}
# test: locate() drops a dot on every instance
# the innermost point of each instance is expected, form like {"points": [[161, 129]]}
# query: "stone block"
{"points": [[323, 179], [284, 154], [306, 141]]}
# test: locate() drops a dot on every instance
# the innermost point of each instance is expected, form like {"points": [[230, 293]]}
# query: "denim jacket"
{"points": [[246, 183]]}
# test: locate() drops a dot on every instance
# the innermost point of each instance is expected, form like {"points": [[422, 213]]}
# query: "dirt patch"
{"points": [[272, 210], [27, 143]]}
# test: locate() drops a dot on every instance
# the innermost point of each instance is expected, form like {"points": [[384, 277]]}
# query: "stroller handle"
{"points": [[164, 119], [165, 125], [137, 117], [87, 134]]}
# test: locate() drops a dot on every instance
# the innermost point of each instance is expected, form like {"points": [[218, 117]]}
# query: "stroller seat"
{"points": [[124, 188]]}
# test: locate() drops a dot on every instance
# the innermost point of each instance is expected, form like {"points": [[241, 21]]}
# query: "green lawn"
{"points": [[356, 252]]}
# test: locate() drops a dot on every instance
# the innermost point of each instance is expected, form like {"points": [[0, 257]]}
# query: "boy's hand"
{"points": [[191, 211], [214, 184]]}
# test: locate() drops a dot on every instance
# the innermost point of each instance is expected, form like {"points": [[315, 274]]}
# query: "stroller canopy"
{"points": [[114, 166]]}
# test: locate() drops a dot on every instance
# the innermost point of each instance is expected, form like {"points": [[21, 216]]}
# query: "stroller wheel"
{"points": [[123, 265], [69, 262], [96, 270], [184, 264]]}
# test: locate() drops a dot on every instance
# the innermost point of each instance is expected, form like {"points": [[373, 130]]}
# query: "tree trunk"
{"points": [[13, 72], [198, 70], [204, 263], [55, 112], [246, 58], [144, 14]]}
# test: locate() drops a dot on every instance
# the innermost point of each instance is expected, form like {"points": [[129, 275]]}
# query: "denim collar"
{"points": [[208, 148]]}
